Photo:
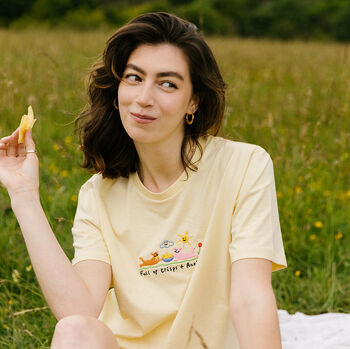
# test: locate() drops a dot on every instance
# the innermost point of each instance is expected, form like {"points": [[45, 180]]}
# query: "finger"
{"points": [[29, 143], [21, 149], [7, 139], [2, 149], [15, 133], [12, 147], [11, 142]]}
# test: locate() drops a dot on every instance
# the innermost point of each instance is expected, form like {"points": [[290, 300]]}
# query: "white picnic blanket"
{"points": [[325, 331]]}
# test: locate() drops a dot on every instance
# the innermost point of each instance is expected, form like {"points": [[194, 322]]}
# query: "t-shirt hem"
{"points": [[75, 260], [278, 262]]}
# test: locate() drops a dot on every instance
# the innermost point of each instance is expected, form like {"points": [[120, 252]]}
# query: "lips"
{"points": [[143, 116]]}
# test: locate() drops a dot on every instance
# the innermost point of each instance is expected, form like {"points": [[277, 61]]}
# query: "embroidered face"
{"points": [[184, 239], [166, 244], [155, 94]]}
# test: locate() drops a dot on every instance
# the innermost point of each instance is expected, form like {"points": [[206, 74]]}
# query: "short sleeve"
{"points": [[88, 241], [255, 225]]}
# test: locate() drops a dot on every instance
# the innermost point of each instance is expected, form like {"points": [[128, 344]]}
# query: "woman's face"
{"points": [[155, 94]]}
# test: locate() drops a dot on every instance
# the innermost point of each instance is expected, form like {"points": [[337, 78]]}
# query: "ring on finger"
{"points": [[31, 151]]}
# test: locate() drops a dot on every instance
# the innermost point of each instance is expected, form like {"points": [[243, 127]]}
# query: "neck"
{"points": [[159, 167]]}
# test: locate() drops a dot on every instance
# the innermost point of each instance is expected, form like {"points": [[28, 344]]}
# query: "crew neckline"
{"points": [[174, 187]]}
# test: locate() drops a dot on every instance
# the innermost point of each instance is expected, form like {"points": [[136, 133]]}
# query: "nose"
{"points": [[145, 95]]}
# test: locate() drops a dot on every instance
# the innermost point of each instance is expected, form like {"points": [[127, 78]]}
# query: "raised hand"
{"points": [[19, 165]]}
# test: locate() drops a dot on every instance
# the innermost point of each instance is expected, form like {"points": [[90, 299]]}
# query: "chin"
{"points": [[142, 136]]}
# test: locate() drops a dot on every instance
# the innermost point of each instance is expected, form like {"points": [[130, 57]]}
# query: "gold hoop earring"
{"points": [[115, 104], [189, 121]]}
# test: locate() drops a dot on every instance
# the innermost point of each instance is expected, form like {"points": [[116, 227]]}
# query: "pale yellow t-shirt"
{"points": [[171, 252]]}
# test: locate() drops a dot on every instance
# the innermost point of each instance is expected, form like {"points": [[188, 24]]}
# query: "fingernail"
{"points": [[2, 145]]}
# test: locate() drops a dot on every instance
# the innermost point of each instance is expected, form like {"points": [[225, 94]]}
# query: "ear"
{"points": [[193, 105]]}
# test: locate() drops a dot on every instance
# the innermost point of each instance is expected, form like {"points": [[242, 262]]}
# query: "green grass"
{"points": [[293, 99]]}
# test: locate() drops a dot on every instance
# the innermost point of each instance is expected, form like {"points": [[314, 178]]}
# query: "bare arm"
{"points": [[68, 290], [253, 305]]}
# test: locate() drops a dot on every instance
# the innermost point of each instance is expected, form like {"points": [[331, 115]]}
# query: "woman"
{"points": [[181, 224]]}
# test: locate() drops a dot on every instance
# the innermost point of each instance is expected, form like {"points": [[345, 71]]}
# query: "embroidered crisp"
{"points": [[171, 256]]}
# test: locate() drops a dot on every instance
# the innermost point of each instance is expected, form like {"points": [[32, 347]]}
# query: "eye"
{"points": [[169, 85], [132, 77]]}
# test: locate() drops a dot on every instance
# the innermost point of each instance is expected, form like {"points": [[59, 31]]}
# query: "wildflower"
{"points": [[29, 268], [64, 173], [74, 198], [53, 168], [312, 237], [326, 193], [298, 189], [318, 224], [55, 147], [315, 186], [68, 140], [339, 236], [279, 194], [340, 195], [10, 301], [344, 156], [4, 326], [297, 273], [347, 194], [16, 275]]}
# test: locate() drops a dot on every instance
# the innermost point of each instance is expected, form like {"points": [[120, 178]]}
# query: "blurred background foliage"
{"points": [[281, 19], [291, 98]]}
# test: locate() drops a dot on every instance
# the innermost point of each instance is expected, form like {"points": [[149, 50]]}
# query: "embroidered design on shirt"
{"points": [[166, 244], [184, 239], [172, 258], [151, 261]]}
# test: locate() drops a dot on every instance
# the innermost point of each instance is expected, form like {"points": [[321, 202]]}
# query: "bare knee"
{"points": [[78, 331], [71, 332]]}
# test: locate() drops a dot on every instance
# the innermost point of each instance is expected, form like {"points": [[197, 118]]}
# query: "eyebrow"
{"points": [[159, 75]]}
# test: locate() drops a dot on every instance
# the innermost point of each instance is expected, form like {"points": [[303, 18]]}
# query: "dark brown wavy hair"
{"points": [[107, 147]]}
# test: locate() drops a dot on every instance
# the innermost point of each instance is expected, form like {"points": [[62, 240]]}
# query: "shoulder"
{"points": [[230, 151], [97, 183]]}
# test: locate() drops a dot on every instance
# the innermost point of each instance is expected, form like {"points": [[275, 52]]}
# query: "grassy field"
{"points": [[293, 99]]}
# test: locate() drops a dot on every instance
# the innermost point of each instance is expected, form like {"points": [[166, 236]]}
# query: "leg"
{"points": [[78, 332]]}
